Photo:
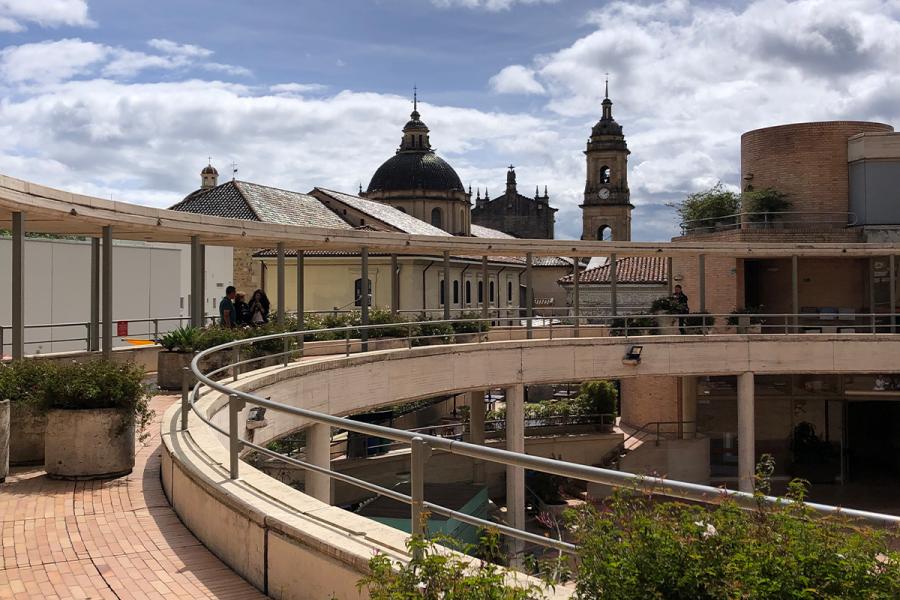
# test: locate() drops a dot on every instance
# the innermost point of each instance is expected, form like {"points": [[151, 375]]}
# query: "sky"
{"points": [[128, 99]]}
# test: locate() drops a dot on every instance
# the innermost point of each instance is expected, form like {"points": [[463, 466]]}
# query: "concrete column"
{"points": [[301, 306], [395, 285], [485, 301], [280, 284], [4, 439], [201, 299], [689, 406], [477, 416], [892, 281], [576, 296], [701, 281], [196, 308], [364, 297], [746, 432], [613, 283], [318, 451], [94, 325], [529, 295], [17, 299], [515, 442], [107, 292], [448, 291], [795, 292]]}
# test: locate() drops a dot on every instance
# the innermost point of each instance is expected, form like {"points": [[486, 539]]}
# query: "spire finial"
{"points": [[415, 98], [545, 192], [606, 94], [360, 187]]}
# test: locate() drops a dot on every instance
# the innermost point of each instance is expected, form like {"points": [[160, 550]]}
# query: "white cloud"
{"points": [[516, 79], [46, 13], [170, 47], [235, 70], [489, 5], [50, 61], [296, 88]]}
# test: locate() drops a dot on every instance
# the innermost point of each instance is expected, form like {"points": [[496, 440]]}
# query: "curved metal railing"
{"points": [[422, 444], [770, 220]]}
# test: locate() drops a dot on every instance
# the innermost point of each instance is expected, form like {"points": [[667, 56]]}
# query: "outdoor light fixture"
{"points": [[257, 418], [633, 356]]}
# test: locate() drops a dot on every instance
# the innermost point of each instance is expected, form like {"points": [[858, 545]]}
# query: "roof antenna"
{"points": [[234, 170]]}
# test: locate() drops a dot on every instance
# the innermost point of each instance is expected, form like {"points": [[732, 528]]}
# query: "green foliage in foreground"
{"points": [[439, 574], [642, 548]]}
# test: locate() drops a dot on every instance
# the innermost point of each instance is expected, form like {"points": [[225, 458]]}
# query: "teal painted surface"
{"points": [[477, 506]]}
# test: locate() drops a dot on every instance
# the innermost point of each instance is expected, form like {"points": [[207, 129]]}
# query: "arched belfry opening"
{"points": [[605, 233]]}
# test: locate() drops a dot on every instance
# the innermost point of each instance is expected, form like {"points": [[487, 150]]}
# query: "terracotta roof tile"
{"points": [[631, 269]]}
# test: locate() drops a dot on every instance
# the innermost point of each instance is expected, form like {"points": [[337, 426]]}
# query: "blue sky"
{"points": [[126, 99]]}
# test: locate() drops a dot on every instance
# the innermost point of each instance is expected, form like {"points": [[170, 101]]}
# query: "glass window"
{"points": [[509, 291], [468, 292], [442, 292], [357, 292], [436, 217], [492, 291], [480, 291], [455, 291]]}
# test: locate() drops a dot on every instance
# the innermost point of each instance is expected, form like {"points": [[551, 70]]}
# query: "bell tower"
{"points": [[606, 212]]}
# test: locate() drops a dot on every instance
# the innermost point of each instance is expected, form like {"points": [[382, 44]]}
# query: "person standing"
{"points": [[241, 310], [227, 312], [259, 308], [681, 301]]}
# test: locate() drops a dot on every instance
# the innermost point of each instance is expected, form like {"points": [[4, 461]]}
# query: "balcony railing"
{"points": [[755, 221]]}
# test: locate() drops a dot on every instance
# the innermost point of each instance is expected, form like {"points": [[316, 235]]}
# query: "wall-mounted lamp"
{"points": [[678, 277], [256, 419], [633, 356]]}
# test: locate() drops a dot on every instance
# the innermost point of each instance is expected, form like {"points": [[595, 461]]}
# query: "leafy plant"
{"points": [[99, 384], [767, 201], [380, 316], [469, 323], [598, 397], [643, 548], [702, 209], [748, 311], [636, 325], [667, 305], [182, 339], [698, 322], [436, 574], [433, 330], [23, 381]]}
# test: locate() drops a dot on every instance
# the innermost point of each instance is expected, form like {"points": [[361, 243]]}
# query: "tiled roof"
{"points": [[254, 202], [486, 232], [552, 261], [385, 213], [631, 269], [291, 253]]}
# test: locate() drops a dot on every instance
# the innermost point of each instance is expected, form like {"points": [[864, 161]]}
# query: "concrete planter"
{"points": [[26, 435], [170, 369], [88, 444]]}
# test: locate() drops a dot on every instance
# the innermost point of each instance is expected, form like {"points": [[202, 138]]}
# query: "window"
{"points": [[480, 292], [442, 292], [455, 291], [604, 233], [604, 174], [492, 291], [468, 292], [436, 218], [358, 294], [509, 291]]}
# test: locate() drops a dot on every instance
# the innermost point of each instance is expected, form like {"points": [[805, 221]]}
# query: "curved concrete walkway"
{"points": [[106, 539]]}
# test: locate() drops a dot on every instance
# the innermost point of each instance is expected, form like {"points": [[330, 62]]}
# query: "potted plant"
{"points": [[179, 346], [638, 325], [744, 320], [667, 305], [21, 383], [94, 410], [699, 323], [813, 458], [546, 488]]}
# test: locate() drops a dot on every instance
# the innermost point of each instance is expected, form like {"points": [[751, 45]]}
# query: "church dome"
{"points": [[209, 170], [413, 171], [606, 125]]}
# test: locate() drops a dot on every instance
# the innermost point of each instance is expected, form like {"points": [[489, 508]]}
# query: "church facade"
{"points": [[516, 214]]}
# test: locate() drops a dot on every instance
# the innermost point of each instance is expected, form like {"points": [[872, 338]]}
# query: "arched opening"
{"points": [[468, 292], [605, 233], [455, 291], [480, 292], [437, 218], [492, 292], [442, 292], [509, 291], [358, 293], [605, 174]]}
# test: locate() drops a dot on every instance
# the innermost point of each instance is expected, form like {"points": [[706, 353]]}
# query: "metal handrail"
{"points": [[767, 218], [422, 444]]}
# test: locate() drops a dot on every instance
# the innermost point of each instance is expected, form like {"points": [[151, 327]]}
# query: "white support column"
{"points": [[892, 294], [364, 298], [529, 296], [17, 299], [448, 294], [280, 283], [485, 303], [795, 293], [746, 432], [395, 285], [107, 292], [201, 299], [318, 448], [196, 302], [301, 303], [477, 415], [689, 406], [515, 442]]}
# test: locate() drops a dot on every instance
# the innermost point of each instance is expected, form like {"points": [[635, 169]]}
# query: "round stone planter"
{"points": [[88, 444], [170, 369], [26, 435]]}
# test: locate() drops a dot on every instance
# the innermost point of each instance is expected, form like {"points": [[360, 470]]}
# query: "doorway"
{"points": [[873, 440]]}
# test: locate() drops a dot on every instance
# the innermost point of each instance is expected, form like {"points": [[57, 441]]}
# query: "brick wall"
{"points": [[724, 282], [807, 161], [646, 399], [776, 236], [246, 270]]}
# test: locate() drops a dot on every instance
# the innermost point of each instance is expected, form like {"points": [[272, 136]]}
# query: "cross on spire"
{"points": [[511, 167], [234, 170]]}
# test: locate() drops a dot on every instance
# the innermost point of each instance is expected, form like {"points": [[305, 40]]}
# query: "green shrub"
{"points": [[469, 323], [380, 316], [23, 381], [637, 325], [701, 210], [735, 318], [767, 201], [667, 305], [183, 339], [433, 330], [216, 336], [643, 548], [599, 397], [698, 322]]}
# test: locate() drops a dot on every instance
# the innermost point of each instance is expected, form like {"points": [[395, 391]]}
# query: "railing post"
{"points": [[347, 342], [155, 329], [418, 458], [87, 338], [1, 342], [235, 405], [284, 348], [185, 392], [235, 367], [409, 337]]}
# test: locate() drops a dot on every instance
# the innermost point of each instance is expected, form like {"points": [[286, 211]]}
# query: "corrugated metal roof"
{"points": [[385, 213], [631, 269]]}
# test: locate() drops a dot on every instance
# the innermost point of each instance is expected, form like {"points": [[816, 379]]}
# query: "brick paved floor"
{"points": [[115, 538]]}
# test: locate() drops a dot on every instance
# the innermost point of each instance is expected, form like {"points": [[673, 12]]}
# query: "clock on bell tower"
{"points": [[606, 212]]}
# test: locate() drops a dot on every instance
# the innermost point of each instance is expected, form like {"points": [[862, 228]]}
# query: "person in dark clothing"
{"points": [[241, 309], [681, 301], [227, 313], [259, 308]]}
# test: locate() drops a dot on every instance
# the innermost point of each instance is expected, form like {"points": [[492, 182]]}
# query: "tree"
{"points": [[701, 209]]}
